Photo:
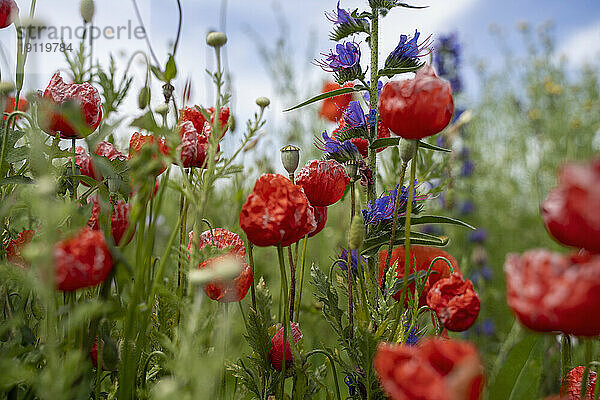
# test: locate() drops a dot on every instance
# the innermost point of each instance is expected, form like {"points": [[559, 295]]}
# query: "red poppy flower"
{"points": [[9, 104], [139, 140], [554, 292], [8, 13], [194, 115], [236, 289], [362, 144], [189, 144], [436, 369], [323, 182], [417, 108], [57, 115], [333, 107], [94, 354], [455, 302], [119, 221], [570, 211], [14, 247], [277, 347], [320, 218], [571, 384], [422, 256], [277, 211], [82, 261], [108, 150], [86, 163], [195, 144]]}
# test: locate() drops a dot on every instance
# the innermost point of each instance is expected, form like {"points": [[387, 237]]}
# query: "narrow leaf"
{"points": [[429, 146], [385, 142], [323, 96], [16, 180], [437, 219]]}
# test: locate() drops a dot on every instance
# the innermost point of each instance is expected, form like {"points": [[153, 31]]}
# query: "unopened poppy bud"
{"points": [[407, 149], [216, 39], [290, 157], [6, 87], [263, 102], [352, 170], [162, 109], [357, 233], [144, 97], [87, 10]]}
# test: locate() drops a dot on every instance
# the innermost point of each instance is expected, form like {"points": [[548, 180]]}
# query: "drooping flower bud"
{"points": [[290, 157], [216, 39], [87, 9], [144, 97]]}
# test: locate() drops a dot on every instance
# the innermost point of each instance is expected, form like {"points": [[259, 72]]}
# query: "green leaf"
{"points": [[394, 141], [371, 246], [437, 219], [411, 278], [157, 73], [16, 180], [428, 146], [170, 69], [324, 96], [385, 142], [17, 154], [519, 376], [146, 122], [390, 72]]}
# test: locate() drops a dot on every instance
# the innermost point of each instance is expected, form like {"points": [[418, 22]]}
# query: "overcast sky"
{"points": [[577, 30]]}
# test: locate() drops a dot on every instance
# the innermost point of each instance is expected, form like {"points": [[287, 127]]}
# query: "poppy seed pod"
{"points": [[352, 170], [216, 39], [87, 9], [263, 102], [290, 157], [417, 108]]}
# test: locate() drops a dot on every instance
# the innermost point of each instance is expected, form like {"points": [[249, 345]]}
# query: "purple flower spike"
{"points": [[408, 51], [340, 16], [354, 116]]}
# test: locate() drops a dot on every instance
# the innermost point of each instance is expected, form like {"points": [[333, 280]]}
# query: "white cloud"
{"points": [[583, 45]]}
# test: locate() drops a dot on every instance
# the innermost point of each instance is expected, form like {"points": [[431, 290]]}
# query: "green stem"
{"points": [[565, 356], [411, 195], [251, 263], [286, 319], [333, 370], [349, 265], [388, 257], [74, 192], [292, 282], [301, 278], [374, 41]]}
